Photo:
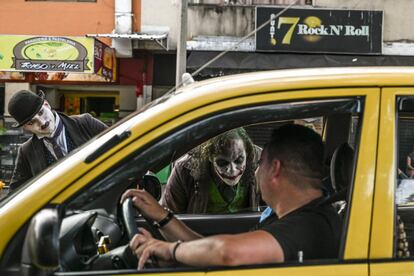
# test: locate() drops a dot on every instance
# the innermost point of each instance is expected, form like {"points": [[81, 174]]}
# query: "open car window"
{"points": [[259, 119], [257, 136]]}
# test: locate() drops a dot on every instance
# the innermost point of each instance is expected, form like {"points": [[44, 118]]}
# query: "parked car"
{"points": [[61, 221]]}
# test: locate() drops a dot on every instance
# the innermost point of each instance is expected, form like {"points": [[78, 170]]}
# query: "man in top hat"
{"points": [[54, 134]]}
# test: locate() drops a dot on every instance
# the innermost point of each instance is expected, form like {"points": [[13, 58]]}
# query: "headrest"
{"points": [[342, 164]]}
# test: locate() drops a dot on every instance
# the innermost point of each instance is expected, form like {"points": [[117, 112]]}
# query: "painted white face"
{"points": [[230, 164], [43, 123]]}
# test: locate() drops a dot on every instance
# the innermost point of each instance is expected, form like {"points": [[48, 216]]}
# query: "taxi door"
{"points": [[354, 254], [391, 247]]}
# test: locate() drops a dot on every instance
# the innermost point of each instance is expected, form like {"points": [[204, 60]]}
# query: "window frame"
{"points": [[191, 130], [195, 134]]}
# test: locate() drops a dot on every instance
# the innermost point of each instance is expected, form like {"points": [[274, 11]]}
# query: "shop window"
{"points": [[102, 105]]}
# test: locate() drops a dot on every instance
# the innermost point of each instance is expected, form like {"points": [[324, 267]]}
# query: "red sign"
{"points": [[104, 61]]}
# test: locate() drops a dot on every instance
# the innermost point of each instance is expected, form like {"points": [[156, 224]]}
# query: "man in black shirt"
{"points": [[302, 226], [316, 220]]}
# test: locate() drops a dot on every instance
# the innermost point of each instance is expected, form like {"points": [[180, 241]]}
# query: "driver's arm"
{"points": [[174, 230], [255, 247], [248, 248]]}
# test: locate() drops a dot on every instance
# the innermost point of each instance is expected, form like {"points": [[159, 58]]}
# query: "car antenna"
{"points": [[185, 76]]}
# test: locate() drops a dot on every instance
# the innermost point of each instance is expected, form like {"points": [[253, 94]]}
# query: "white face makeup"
{"points": [[230, 164], [43, 123]]}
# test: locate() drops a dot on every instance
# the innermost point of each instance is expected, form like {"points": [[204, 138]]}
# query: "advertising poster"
{"points": [[105, 61], [320, 31], [46, 54]]}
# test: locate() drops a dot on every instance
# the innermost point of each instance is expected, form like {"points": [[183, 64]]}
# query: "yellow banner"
{"points": [[46, 53]]}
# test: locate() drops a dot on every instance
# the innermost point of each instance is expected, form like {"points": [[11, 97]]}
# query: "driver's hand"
{"points": [[146, 204], [145, 246]]}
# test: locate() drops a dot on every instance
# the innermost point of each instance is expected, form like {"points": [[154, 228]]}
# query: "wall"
{"points": [[213, 20], [203, 20], [221, 20], [61, 18], [160, 13], [397, 15], [237, 21], [128, 100]]}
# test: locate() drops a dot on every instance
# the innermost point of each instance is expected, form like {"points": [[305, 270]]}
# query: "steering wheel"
{"points": [[131, 228], [128, 215], [151, 184]]}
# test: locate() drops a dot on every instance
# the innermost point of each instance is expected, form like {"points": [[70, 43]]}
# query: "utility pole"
{"points": [[181, 42]]}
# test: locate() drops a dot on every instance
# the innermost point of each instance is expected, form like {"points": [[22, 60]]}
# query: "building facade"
{"points": [[215, 26], [88, 91], [45, 45]]}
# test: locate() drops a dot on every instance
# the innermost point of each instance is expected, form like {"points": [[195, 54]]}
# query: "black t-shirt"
{"points": [[313, 229]]}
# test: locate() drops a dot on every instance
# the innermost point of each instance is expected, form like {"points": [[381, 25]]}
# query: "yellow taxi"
{"points": [[69, 220]]}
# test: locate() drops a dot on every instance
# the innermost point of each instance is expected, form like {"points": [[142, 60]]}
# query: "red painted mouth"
{"points": [[231, 177]]}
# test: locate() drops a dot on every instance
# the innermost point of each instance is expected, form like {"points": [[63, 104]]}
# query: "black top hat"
{"points": [[24, 105]]}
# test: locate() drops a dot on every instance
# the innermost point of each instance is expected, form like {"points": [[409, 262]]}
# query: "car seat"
{"points": [[341, 168], [340, 178]]}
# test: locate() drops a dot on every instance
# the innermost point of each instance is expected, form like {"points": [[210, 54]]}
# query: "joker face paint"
{"points": [[43, 123], [230, 163]]}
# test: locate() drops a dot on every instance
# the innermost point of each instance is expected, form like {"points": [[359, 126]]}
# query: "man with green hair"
{"points": [[216, 177]]}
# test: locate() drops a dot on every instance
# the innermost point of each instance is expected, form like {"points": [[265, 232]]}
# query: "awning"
{"points": [[239, 62], [160, 39]]}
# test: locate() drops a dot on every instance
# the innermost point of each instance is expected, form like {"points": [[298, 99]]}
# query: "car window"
{"points": [[338, 120], [404, 196], [258, 121], [257, 134]]}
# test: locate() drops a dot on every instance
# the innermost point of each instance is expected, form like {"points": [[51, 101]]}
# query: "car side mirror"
{"points": [[40, 255], [151, 184]]}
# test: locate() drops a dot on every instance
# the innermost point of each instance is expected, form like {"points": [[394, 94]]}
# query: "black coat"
{"points": [[31, 158]]}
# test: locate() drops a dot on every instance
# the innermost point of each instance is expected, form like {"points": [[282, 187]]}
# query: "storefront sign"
{"points": [[46, 53], [320, 31], [105, 61]]}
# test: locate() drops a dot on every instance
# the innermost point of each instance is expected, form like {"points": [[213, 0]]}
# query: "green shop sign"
{"points": [[46, 53]]}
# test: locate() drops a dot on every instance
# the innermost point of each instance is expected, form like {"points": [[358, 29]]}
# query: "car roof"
{"points": [[222, 88], [289, 79]]}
